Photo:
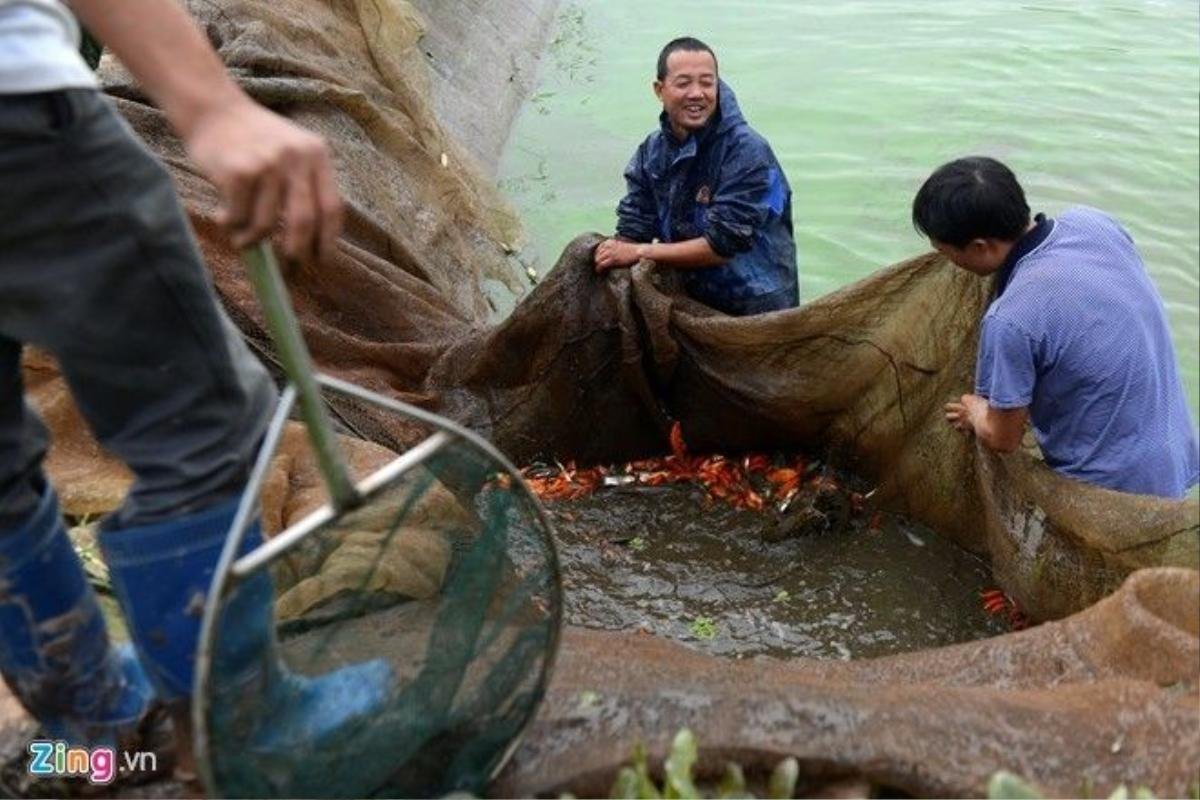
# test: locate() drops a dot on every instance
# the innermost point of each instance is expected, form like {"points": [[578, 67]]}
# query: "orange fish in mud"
{"points": [[997, 603], [723, 479]]}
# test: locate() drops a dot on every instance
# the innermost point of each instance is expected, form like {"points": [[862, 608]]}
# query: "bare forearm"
{"points": [[694, 253], [166, 51], [992, 438], [999, 429]]}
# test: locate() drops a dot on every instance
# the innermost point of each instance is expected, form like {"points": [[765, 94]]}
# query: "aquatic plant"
{"points": [[636, 783], [1004, 785], [703, 628]]}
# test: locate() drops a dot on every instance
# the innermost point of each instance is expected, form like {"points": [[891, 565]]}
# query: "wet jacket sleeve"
{"points": [[637, 217], [741, 204]]}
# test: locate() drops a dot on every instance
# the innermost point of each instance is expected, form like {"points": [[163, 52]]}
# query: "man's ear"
{"points": [[978, 246], [988, 253], [657, 86]]}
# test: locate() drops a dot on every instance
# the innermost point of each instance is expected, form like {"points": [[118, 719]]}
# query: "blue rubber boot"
{"points": [[54, 650], [161, 574]]}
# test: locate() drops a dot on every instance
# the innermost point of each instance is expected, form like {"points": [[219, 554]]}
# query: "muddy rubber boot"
{"points": [[54, 649], [161, 574]]}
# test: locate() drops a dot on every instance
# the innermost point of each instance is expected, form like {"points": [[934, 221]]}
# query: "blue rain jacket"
{"points": [[725, 184]]}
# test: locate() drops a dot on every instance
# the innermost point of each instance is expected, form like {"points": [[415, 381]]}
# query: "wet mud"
{"points": [[668, 561]]}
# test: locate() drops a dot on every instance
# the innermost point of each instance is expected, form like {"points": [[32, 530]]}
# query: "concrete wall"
{"points": [[484, 55]]}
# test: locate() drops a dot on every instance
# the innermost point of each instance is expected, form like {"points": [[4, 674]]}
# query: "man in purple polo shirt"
{"points": [[1075, 339]]}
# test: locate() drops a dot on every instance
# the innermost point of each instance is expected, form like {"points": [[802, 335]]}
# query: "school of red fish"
{"points": [[725, 480]]}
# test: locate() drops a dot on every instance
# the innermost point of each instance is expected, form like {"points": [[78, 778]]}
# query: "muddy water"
{"points": [[664, 560]]}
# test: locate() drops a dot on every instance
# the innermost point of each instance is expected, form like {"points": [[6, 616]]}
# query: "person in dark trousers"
{"points": [[707, 187], [1075, 339], [99, 267]]}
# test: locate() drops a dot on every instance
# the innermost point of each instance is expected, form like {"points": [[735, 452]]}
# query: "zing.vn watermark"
{"points": [[55, 758]]}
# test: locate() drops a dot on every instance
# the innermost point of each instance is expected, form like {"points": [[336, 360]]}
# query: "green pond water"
{"points": [[1092, 102]]}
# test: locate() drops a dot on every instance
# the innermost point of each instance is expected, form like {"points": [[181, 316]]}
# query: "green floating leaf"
{"points": [[783, 779], [703, 628], [625, 787], [733, 783], [678, 784], [1004, 785]]}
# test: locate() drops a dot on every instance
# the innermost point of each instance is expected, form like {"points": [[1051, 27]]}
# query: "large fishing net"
{"points": [[597, 368]]}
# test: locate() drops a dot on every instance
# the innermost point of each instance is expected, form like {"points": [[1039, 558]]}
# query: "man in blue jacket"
{"points": [[710, 190], [1075, 339]]}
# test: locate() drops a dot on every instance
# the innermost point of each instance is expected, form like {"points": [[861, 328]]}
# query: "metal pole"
{"points": [[293, 355]]}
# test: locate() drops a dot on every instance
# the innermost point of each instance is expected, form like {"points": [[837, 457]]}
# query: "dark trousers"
{"points": [[99, 267]]}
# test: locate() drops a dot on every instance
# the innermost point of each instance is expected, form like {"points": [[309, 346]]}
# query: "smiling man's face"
{"points": [[689, 90]]}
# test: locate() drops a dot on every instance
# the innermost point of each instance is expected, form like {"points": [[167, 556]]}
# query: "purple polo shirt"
{"points": [[1078, 334]]}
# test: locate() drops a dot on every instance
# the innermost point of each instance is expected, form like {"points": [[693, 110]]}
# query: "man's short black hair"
{"points": [[688, 43], [971, 198]]}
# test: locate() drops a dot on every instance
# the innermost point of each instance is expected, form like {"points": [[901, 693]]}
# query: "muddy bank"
{"points": [[484, 58]]}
